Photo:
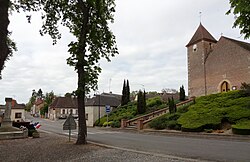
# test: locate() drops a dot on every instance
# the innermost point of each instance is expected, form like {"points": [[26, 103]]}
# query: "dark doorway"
{"points": [[225, 87]]}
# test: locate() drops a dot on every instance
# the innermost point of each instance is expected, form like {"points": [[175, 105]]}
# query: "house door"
{"points": [[225, 87]]}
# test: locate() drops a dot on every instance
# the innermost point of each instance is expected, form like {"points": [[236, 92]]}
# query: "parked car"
{"points": [[62, 116]]}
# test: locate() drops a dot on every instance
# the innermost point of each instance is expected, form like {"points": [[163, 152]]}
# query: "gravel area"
{"points": [[52, 147]]}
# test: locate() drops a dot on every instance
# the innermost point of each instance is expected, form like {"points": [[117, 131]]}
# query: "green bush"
{"points": [[156, 101], [242, 127], [167, 121], [158, 123], [115, 124], [129, 111], [105, 124], [209, 111]]}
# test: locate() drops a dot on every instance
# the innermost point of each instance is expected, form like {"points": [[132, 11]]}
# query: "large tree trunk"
{"points": [[82, 129], [4, 22]]}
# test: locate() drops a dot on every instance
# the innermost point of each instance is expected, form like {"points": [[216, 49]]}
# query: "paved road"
{"points": [[195, 148]]}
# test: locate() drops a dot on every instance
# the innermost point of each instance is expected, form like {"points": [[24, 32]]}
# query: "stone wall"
{"points": [[228, 62]]}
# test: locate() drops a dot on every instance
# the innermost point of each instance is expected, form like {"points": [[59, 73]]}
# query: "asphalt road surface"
{"points": [[185, 147]]}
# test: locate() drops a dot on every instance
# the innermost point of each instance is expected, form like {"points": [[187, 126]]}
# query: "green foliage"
{"points": [[141, 103], [154, 102], [241, 10], [129, 111], [125, 93], [242, 124], [167, 121], [182, 93], [183, 109], [123, 112], [30, 103], [116, 124], [88, 21], [105, 124], [209, 111], [246, 88], [172, 105], [242, 127]]}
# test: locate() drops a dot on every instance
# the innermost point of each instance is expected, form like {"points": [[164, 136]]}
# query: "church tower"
{"points": [[198, 49]]}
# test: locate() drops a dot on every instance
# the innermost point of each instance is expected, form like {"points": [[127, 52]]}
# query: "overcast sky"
{"points": [[151, 36]]}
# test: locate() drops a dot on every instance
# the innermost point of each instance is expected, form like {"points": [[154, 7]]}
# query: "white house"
{"points": [[17, 111], [94, 107]]}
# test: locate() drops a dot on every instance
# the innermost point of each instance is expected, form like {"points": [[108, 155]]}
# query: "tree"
{"points": [[4, 49], [144, 101], [241, 10], [182, 93], [141, 103], [127, 92], [123, 101], [47, 101], [68, 94], [171, 105], [7, 46], [87, 21], [40, 93]]}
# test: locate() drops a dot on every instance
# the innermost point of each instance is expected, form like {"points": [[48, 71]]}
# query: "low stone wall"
{"points": [[13, 135]]}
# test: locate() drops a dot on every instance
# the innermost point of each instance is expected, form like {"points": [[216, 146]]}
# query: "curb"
{"points": [[184, 134]]}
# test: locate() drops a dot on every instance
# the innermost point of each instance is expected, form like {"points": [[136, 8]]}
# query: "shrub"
{"points": [[242, 127], [115, 124], [105, 124], [209, 111], [156, 101], [167, 121], [158, 123]]}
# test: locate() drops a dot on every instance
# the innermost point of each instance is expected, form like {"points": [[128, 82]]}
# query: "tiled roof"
{"points": [[64, 102], [244, 45], [103, 100], [14, 105], [38, 101], [201, 34]]}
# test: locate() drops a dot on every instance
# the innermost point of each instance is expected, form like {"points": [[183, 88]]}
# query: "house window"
{"points": [[76, 112], [63, 111], [18, 115], [86, 116]]}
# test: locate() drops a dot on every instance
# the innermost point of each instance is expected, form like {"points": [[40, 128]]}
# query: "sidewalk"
{"points": [[53, 147]]}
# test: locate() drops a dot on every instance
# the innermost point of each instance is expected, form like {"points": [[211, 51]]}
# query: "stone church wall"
{"points": [[228, 62]]}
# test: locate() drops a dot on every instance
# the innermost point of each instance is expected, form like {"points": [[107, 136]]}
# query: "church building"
{"points": [[216, 66]]}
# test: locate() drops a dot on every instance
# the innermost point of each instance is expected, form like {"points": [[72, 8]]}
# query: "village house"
{"points": [[35, 109], [17, 111], [216, 66], [94, 107]]}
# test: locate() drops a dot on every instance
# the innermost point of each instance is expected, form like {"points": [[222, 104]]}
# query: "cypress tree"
{"points": [[140, 103], [127, 92], [171, 105], [144, 101], [182, 93], [123, 101]]}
